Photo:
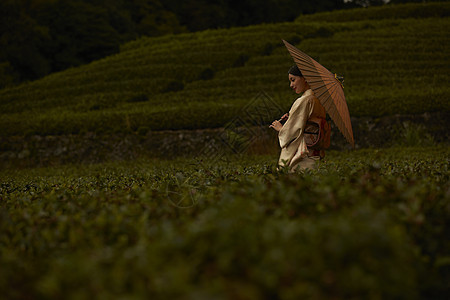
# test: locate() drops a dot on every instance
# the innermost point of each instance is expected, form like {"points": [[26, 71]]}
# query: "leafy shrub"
{"points": [[403, 11], [268, 49], [173, 86], [143, 130], [206, 74], [241, 60], [322, 32], [413, 135], [381, 58], [365, 224], [138, 98]]}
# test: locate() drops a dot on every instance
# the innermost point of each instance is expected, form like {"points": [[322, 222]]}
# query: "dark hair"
{"points": [[294, 70]]}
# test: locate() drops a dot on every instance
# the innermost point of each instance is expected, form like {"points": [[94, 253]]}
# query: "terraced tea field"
{"points": [[366, 224], [200, 80]]}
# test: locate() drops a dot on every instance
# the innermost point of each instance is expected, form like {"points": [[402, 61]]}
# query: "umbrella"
{"points": [[327, 88]]}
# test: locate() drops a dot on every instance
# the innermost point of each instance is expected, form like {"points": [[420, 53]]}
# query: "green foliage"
{"points": [[365, 224], [206, 74], [95, 38], [138, 98], [22, 43], [438, 9], [200, 80], [413, 135], [8, 77], [39, 37], [200, 14]]}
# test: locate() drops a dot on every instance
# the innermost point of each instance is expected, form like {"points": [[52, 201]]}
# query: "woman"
{"points": [[294, 152]]}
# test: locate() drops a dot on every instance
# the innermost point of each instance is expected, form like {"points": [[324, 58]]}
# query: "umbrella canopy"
{"points": [[327, 88]]}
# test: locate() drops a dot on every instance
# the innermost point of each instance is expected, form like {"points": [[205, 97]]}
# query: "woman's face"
{"points": [[297, 83]]}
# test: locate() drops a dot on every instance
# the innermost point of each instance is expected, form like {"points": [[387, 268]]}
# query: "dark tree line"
{"points": [[38, 37]]}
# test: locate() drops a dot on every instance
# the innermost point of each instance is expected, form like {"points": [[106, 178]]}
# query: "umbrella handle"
{"points": [[284, 118]]}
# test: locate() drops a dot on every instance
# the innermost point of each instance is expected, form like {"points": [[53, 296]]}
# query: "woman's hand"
{"points": [[276, 125]]}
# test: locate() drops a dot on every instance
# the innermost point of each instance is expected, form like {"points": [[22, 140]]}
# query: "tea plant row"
{"points": [[366, 224], [398, 65]]}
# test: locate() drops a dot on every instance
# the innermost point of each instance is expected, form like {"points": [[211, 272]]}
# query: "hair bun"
{"points": [[294, 70]]}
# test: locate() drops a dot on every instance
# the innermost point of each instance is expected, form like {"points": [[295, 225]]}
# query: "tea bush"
{"points": [[391, 66], [410, 10], [365, 224]]}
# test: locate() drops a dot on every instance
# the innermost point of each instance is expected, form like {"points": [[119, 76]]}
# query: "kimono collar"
{"points": [[308, 92]]}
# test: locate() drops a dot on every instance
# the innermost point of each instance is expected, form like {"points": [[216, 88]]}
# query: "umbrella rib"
{"points": [[309, 68], [319, 92], [302, 58], [327, 103], [334, 92]]}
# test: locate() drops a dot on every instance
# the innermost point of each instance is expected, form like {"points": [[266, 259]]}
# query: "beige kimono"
{"points": [[294, 152]]}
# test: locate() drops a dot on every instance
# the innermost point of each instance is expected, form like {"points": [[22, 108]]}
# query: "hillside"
{"points": [[198, 80]]}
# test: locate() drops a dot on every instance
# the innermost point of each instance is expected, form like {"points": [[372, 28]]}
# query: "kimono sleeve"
{"points": [[298, 115]]}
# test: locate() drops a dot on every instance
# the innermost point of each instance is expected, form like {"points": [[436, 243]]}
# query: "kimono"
{"points": [[294, 152]]}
